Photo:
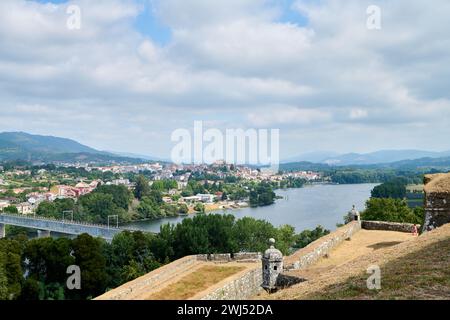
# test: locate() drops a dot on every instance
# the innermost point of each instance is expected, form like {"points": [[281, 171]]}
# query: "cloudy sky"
{"points": [[137, 70]]}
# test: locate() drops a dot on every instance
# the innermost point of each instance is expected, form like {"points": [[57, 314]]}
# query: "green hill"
{"points": [[29, 147]]}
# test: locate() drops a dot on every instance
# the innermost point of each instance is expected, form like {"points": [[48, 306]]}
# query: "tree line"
{"points": [[37, 269], [388, 203]]}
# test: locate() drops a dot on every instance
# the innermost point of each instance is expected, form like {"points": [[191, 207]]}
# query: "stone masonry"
{"points": [[437, 200], [389, 226]]}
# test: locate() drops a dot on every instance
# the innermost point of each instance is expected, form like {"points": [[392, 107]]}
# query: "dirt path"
{"points": [[362, 243]]}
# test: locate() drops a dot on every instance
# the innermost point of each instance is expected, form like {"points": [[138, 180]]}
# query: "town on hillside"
{"points": [[182, 189]]}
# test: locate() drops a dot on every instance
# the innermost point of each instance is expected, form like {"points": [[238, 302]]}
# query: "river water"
{"points": [[302, 208]]}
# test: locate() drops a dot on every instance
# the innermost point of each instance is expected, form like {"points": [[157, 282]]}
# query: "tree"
{"points": [[392, 210], [3, 280], [183, 208], [187, 192], [308, 236], [11, 209], [10, 269], [30, 290], [253, 235], [142, 187], [262, 195], [164, 185], [148, 208], [48, 259], [98, 206], [196, 187], [121, 195], [190, 238], [65, 204], [131, 256], [162, 244], [48, 209], [199, 207], [285, 238], [395, 189], [89, 256]]}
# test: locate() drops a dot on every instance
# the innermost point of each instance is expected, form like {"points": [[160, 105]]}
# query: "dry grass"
{"points": [[195, 282], [416, 269], [424, 274], [437, 183]]}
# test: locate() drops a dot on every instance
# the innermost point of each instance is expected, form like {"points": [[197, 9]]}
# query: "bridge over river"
{"points": [[47, 225]]}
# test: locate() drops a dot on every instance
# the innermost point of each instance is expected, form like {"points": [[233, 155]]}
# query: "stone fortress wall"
{"points": [[437, 200], [131, 289], [389, 226], [247, 284], [241, 288], [156, 278]]}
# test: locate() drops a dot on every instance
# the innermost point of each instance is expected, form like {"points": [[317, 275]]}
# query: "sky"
{"points": [[137, 70]]}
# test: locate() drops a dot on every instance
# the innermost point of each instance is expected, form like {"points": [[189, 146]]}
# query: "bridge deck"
{"points": [[62, 226]]}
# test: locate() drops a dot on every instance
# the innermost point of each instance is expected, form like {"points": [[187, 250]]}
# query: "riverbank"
{"points": [[302, 208]]}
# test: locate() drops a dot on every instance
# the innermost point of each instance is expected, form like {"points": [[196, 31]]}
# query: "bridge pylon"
{"points": [[43, 234]]}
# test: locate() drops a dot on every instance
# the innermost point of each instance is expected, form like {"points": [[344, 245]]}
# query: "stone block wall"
{"points": [[240, 288], [437, 200], [152, 279], [249, 284], [227, 257], [220, 257], [247, 256], [388, 226], [437, 210]]}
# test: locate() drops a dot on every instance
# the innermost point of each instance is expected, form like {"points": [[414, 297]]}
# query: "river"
{"points": [[302, 208]]}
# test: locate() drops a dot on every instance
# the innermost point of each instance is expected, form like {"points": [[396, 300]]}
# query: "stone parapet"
{"points": [[240, 288], [389, 226]]}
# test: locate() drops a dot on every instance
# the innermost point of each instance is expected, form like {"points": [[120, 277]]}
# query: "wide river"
{"points": [[303, 208]]}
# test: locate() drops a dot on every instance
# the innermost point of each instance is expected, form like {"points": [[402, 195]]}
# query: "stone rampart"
{"points": [[133, 288], [241, 288], [388, 226]]}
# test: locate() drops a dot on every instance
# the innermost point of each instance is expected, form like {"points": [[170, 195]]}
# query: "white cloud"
{"points": [[286, 115], [358, 114], [231, 62]]}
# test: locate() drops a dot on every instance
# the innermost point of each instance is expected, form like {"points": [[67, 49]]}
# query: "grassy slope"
{"points": [[424, 274], [418, 269]]}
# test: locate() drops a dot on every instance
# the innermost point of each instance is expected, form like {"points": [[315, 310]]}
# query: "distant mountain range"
{"points": [[35, 148], [38, 148], [378, 157], [139, 156]]}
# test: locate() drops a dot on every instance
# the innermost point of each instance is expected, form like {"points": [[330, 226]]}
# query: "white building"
{"points": [[206, 198], [4, 204], [121, 182], [25, 208]]}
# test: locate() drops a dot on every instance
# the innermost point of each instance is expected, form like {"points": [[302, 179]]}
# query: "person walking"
{"points": [[415, 231]]}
